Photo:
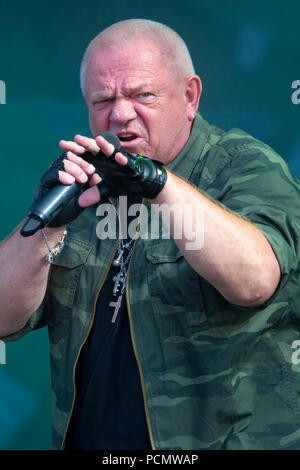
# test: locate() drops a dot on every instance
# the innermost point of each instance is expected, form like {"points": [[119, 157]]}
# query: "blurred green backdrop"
{"points": [[247, 54]]}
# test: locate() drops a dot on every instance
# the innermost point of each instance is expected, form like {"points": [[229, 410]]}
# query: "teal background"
{"points": [[247, 54]]}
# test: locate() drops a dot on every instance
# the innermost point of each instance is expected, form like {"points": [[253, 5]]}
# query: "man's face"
{"points": [[132, 93]]}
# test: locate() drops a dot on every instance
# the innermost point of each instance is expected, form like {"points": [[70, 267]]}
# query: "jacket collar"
{"points": [[186, 160]]}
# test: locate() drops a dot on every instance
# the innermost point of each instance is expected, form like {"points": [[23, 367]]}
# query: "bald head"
{"points": [[174, 52]]}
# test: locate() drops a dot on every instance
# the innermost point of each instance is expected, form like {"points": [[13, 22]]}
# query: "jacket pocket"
{"points": [[63, 280], [174, 289]]}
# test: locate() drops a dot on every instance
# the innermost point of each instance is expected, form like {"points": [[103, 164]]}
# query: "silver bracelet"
{"points": [[57, 249]]}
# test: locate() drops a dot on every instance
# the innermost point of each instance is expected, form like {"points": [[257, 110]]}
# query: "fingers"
{"points": [[83, 144], [65, 178], [106, 147], [121, 159], [80, 145], [95, 179], [78, 169], [89, 197], [87, 143], [87, 167], [71, 146]]}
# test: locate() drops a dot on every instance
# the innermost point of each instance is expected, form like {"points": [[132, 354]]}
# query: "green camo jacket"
{"points": [[214, 375]]}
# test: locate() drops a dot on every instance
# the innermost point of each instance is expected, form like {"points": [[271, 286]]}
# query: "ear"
{"points": [[193, 89]]}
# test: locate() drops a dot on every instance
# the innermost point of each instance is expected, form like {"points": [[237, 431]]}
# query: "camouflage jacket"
{"points": [[214, 375]]}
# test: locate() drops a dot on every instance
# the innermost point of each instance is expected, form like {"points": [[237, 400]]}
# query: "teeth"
{"points": [[127, 136]]}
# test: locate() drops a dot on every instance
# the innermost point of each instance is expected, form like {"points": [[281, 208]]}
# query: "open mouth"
{"points": [[127, 137]]}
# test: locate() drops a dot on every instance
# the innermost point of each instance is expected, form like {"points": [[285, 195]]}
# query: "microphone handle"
{"points": [[44, 211]]}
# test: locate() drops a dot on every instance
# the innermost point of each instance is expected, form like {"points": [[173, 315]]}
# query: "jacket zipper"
{"points": [[132, 340], [136, 353], [86, 337]]}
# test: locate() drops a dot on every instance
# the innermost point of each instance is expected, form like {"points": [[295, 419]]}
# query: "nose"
{"points": [[122, 111]]}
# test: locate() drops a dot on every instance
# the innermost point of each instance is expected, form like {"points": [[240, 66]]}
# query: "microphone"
{"points": [[45, 210]]}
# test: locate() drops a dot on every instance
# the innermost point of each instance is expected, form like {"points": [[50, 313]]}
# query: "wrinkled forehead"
{"points": [[127, 66], [125, 57]]}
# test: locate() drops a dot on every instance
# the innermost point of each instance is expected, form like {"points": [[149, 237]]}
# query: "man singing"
{"points": [[155, 345]]}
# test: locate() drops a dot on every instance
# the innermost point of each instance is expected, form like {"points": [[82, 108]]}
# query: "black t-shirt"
{"points": [[109, 409]]}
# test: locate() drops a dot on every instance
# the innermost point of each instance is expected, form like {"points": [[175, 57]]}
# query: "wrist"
{"points": [[54, 233], [161, 196]]}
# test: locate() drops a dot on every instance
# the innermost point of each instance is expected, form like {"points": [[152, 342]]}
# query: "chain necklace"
{"points": [[124, 252]]}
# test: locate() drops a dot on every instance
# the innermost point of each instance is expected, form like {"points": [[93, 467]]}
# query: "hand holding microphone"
{"points": [[134, 175], [56, 204]]}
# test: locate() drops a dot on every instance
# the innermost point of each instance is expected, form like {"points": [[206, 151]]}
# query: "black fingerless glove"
{"points": [[140, 176], [48, 181]]}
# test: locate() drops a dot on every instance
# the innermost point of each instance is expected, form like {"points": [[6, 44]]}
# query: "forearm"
{"points": [[23, 276], [231, 253]]}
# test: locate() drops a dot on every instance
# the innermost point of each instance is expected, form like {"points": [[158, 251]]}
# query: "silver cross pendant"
{"points": [[116, 306]]}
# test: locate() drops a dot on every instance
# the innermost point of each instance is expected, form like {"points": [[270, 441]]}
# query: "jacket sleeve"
{"points": [[258, 185], [35, 321]]}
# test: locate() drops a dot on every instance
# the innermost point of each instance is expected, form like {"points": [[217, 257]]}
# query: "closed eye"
{"points": [[100, 103], [102, 100]]}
